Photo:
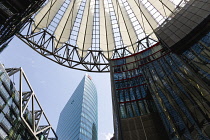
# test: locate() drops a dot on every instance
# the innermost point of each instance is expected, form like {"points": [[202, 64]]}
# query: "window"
{"points": [[3, 134]]}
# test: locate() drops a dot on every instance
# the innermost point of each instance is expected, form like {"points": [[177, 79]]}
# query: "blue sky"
{"points": [[54, 84]]}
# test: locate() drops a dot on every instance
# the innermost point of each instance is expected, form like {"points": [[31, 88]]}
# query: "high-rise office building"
{"points": [[21, 115], [79, 118]]}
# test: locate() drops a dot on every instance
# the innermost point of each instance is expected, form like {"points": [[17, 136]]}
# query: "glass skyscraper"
{"points": [[79, 118]]}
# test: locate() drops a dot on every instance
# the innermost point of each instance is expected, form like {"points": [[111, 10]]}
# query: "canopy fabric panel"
{"points": [[84, 40], [112, 24], [126, 27], [106, 32], [46, 14], [65, 26], [165, 7]]}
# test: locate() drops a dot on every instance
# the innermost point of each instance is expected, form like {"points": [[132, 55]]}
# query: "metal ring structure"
{"points": [[86, 34]]}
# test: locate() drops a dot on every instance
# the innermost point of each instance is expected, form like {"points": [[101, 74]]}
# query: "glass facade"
{"points": [[12, 126], [199, 59], [78, 119], [174, 85]]}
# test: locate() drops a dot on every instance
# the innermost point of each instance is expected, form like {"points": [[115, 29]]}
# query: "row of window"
{"points": [[130, 82], [90, 111], [127, 74], [135, 93], [136, 108]]}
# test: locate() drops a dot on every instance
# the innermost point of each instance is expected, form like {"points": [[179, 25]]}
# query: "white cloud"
{"points": [[108, 136]]}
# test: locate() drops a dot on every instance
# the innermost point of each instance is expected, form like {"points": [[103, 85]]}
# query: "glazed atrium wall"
{"points": [[168, 81], [158, 80], [17, 121], [79, 118]]}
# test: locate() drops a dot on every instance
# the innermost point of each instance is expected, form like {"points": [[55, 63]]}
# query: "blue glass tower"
{"points": [[78, 119]]}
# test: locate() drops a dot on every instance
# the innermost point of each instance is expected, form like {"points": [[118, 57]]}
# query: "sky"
{"points": [[54, 84]]}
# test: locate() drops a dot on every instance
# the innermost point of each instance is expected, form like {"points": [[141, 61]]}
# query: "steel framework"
{"points": [[68, 56], [31, 111], [86, 34]]}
